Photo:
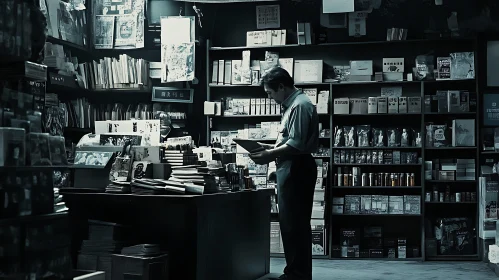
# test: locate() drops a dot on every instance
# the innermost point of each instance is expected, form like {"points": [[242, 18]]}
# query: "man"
{"points": [[296, 170]]}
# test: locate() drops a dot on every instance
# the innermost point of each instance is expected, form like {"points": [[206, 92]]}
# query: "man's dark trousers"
{"points": [[296, 178]]}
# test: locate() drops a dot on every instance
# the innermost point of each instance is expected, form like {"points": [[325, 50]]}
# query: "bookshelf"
{"points": [[410, 226]]}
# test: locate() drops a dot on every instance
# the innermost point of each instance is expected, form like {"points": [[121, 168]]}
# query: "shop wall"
{"points": [[227, 24]]}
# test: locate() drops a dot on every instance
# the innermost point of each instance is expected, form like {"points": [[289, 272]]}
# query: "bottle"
{"points": [[371, 179], [408, 179], [392, 180], [340, 180], [402, 180], [413, 183], [364, 180]]}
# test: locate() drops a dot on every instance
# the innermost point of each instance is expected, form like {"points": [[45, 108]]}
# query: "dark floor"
{"points": [[393, 270]]}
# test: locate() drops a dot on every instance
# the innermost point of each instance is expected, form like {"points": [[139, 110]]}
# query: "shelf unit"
{"points": [[362, 89]]}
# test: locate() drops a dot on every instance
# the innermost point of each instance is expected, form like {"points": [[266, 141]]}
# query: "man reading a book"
{"points": [[296, 170]]}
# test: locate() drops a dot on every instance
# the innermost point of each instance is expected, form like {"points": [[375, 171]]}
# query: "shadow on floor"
{"points": [[386, 270]]}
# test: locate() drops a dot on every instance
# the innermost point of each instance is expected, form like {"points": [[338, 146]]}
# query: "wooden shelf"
{"points": [[450, 181], [450, 113], [451, 202], [380, 215], [376, 187], [64, 43], [372, 164], [376, 115], [247, 116], [381, 259], [450, 148], [376, 148], [353, 43], [489, 152], [36, 167], [35, 218]]}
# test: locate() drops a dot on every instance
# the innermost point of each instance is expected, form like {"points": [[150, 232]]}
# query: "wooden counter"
{"points": [[208, 237]]}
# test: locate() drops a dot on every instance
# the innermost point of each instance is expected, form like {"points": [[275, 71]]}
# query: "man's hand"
{"points": [[266, 146], [262, 157]]}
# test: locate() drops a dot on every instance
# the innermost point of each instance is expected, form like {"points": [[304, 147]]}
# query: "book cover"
{"points": [[463, 133]]}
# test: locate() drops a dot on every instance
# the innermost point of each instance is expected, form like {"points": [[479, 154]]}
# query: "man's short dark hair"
{"points": [[275, 77]]}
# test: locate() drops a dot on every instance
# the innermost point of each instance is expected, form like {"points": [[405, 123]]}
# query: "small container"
{"points": [[371, 180], [388, 181], [427, 197], [441, 197], [335, 181], [458, 197], [408, 179], [401, 180], [364, 179], [345, 180], [413, 180], [350, 179], [340, 180], [435, 195]]}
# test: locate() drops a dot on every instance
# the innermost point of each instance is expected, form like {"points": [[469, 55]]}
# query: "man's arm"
{"points": [[298, 123]]}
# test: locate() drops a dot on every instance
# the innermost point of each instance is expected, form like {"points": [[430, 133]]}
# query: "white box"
{"points": [[414, 104], [372, 106], [341, 106], [393, 65], [358, 106], [308, 71], [382, 105], [361, 67], [393, 105], [402, 104]]}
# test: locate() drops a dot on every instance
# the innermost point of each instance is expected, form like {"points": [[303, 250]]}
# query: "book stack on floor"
{"points": [[144, 261], [104, 239]]}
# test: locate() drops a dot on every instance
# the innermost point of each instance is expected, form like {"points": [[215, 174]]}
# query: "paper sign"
{"points": [[268, 16], [338, 6]]}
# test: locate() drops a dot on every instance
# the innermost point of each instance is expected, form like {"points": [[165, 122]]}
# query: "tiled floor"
{"points": [[393, 270]]}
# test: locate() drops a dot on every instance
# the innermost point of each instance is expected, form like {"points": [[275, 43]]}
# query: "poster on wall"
{"points": [[491, 109], [177, 49], [129, 26], [268, 16], [104, 32]]}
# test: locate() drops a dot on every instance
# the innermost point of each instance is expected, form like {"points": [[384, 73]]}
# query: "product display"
{"points": [[108, 117]]}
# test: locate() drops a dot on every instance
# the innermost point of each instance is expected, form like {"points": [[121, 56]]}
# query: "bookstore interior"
{"points": [[147, 110]]}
